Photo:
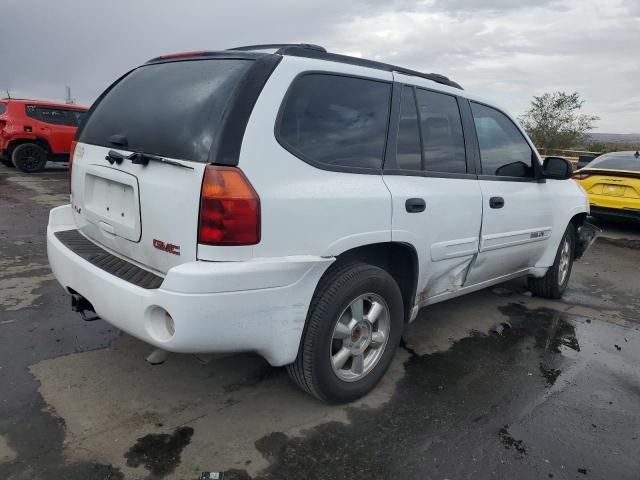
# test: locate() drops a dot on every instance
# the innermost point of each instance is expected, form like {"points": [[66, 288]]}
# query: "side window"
{"points": [[503, 149], [54, 116], [408, 148], [31, 111], [77, 116], [442, 136], [336, 120]]}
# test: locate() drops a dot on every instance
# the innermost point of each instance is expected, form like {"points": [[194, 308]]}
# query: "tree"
{"points": [[554, 120]]}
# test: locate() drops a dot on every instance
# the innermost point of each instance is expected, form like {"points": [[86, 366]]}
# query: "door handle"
{"points": [[496, 202], [415, 205]]}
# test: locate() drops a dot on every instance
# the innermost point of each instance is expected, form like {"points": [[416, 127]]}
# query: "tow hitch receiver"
{"points": [[82, 305]]}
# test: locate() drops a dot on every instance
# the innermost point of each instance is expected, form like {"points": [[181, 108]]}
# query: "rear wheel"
{"points": [[353, 329], [555, 281], [29, 157]]}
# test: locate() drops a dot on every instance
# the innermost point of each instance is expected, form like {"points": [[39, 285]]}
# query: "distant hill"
{"points": [[621, 138]]}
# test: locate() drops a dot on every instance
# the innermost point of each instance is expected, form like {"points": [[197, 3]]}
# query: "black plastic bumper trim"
{"points": [[97, 256], [621, 213]]}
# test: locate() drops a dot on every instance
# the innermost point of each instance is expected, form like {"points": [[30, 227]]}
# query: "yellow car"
{"points": [[612, 182]]}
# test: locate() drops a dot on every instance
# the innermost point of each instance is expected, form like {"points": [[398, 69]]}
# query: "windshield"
{"points": [[167, 109], [617, 161]]}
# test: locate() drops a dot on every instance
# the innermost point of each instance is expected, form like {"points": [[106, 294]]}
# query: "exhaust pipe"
{"points": [[82, 306]]}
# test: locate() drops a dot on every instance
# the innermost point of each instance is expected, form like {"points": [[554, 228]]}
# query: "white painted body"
{"points": [[256, 298]]}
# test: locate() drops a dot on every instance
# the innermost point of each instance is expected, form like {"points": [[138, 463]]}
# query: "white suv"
{"points": [[303, 205]]}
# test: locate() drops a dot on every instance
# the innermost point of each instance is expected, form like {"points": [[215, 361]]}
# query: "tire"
{"points": [[369, 350], [29, 157], [554, 283]]}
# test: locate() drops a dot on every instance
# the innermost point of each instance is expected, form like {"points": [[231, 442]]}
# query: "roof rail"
{"points": [[303, 50], [280, 47], [309, 50]]}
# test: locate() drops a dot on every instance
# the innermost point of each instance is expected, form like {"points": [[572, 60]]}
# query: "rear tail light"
{"points": [[581, 176], [72, 152], [229, 208]]}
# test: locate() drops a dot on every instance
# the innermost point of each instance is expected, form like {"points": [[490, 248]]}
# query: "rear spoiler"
{"points": [[611, 173]]}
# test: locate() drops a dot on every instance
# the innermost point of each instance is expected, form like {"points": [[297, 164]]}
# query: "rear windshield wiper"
{"points": [[140, 158]]}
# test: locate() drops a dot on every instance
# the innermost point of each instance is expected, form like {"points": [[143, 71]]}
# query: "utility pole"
{"points": [[69, 100]]}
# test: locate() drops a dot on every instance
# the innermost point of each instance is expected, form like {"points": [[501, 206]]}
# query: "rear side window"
{"points": [[431, 137], [441, 128], [169, 109], [336, 121], [55, 116], [3, 108], [31, 111], [503, 149]]}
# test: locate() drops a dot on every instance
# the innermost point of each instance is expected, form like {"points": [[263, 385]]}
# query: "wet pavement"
{"points": [[496, 384]]}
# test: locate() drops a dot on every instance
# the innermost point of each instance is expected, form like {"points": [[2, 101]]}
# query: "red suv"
{"points": [[33, 132]]}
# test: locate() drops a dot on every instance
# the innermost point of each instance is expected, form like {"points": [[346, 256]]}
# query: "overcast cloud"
{"points": [[504, 50]]}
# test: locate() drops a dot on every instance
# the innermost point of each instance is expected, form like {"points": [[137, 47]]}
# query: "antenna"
{"points": [[8, 94]]}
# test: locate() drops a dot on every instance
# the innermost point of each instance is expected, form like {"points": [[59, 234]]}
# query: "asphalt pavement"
{"points": [[496, 384]]}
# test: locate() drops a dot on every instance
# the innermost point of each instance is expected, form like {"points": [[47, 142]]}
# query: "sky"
{"points": [[503, 50]]}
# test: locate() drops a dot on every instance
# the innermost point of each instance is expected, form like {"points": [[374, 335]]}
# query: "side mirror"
{"points": [[557, 168]]}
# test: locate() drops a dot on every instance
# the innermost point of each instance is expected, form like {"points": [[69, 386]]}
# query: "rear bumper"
{"points": [[256, 306], [616, 213]]}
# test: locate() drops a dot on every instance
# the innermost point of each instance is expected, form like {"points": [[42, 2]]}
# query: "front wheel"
{"points": [[353, 329], [555, 281], [29, 157]]}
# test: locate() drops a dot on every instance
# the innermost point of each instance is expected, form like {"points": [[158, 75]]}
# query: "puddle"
{"points": [[19, 282], [445, 400], [551, 374], [511, 443], [159, 452]]}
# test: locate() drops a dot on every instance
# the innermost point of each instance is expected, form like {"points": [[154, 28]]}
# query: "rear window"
{"points": [[167, 109], [617, 161], [3, 108], [336, 121]]}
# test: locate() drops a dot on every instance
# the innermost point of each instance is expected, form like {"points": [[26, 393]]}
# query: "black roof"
{"points": [[308, 50]]}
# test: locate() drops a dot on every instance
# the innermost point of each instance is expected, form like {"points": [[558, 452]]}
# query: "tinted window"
{"points": [[79, 116], [336, 120], [617, 161], [168, 109], [55, 116], [3, 108], [408, 147], [31, 111], [442, 137], [503, 149]]}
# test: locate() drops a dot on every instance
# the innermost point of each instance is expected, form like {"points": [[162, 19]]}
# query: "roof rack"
{"points": [[309, 50], [280, 47]]}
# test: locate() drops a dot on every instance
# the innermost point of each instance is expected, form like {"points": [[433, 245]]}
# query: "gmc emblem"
{"points": [[166, 247]]}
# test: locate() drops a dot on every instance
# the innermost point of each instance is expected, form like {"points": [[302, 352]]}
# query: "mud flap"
{"points": [[587, 234]]}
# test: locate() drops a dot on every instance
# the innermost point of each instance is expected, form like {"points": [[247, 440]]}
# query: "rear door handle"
{"points": [[496, 202], [415, 205]]}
